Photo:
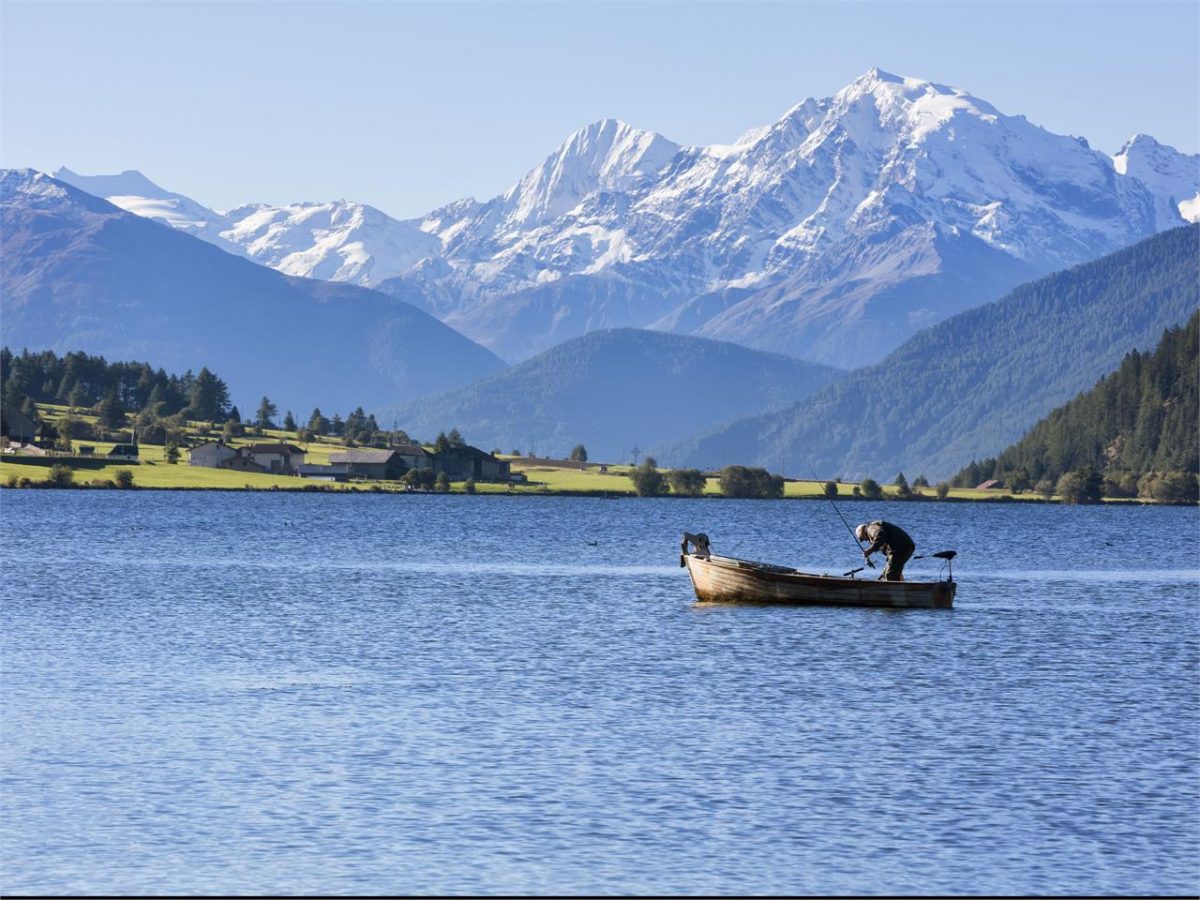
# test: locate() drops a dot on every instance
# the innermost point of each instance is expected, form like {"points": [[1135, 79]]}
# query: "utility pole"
{"points": [[635, 453]]}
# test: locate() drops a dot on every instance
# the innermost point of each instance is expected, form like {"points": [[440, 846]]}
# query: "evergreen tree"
{"points": [[289, 422], [1143, 417], [454, 439], [266, 412], [208, 398], [579, 453], [109, 411], [317, 423]]}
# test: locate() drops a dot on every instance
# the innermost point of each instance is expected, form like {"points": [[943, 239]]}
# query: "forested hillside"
{"points": [[1137, 428], [158, 405], [968, 387], [617, 389]]}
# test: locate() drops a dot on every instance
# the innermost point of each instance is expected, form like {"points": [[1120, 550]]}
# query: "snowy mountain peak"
{"points": [[830, 233], [607, 155], [1171, 176]]}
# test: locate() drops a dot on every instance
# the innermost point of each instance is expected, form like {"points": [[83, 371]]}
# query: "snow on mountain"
{"points": [[1171, 176], [78, 272], [134, 192], [338, 241], [832, 234]]}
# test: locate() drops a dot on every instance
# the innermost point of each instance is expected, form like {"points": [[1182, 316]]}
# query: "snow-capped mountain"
{"points": [[1169, 174], [134, 192], [338, 241], [78, 272], [832, 234]]}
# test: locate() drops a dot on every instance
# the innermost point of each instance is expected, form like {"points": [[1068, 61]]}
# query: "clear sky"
{"points": [[410, 105]]}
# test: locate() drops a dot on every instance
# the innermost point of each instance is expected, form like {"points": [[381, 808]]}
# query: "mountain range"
{"points": [[968, 387], [614, 390], [78, 273], [832, 235]]}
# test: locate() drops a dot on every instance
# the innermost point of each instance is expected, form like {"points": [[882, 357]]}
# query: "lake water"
{"points": [[264, 692]]}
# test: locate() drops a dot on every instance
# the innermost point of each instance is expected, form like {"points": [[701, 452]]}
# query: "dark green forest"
{"points": [[1136, 433], [124, 395]]}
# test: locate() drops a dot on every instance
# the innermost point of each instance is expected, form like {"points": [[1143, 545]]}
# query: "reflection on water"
{"points": [[252, 693]]}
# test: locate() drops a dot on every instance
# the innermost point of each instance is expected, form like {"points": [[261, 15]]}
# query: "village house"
{"points": [[279, 459], [242, 463], [124, 451], [463, 463], [386, 465], [414, 456], [212, 454]]}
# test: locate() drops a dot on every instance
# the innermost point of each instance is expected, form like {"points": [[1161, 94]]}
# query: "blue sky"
{"points": [[410, 105]]}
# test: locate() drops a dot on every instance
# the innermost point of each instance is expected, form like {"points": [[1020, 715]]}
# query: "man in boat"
{"points": [[892, 540]]}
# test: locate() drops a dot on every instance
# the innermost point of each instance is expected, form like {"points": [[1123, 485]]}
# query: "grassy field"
{"points": [[616, 480], [544, 477]]}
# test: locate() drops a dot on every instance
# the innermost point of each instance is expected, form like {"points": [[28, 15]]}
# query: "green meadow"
{"points": [[544, 477]]}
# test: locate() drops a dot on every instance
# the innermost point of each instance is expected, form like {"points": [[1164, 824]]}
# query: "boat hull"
{"points": [[723, 579]]}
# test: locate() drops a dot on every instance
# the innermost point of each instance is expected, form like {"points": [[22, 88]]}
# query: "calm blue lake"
{"points": [[270, 693]]}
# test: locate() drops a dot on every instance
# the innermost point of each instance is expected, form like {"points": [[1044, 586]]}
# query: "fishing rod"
{"points": [[857, 542]]}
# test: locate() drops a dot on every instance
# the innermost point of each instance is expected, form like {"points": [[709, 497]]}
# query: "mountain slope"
{"points": [[832, 234], [79, 273], [969, 386], [1141, 418], [612, 390]]}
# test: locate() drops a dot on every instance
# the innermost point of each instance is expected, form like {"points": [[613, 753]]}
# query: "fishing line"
{"points": [[857, 542]]}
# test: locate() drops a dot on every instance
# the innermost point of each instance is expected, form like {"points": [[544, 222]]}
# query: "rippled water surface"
{"points": [[256, 693]]}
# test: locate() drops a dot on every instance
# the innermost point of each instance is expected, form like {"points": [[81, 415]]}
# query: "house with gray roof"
{"points": [[386, 465], [279, 459]]}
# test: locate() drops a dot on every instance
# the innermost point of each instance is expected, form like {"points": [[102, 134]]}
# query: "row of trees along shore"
{"points": [[131, 398], [747, 482], [1135, 434]]}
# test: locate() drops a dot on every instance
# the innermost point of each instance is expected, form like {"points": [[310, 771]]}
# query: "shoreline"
{"points": [[355, 490]]}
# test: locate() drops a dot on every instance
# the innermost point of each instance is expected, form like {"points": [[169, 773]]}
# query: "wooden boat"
{"points": [[724, 579]]}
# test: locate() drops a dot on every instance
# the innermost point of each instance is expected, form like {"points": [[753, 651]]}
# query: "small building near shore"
{"points": [[279, 459], [414, 456], [383, 465], [994, 484], [463, 463], [124, 451], [212, 454], [242, 463], [332, 472]]}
